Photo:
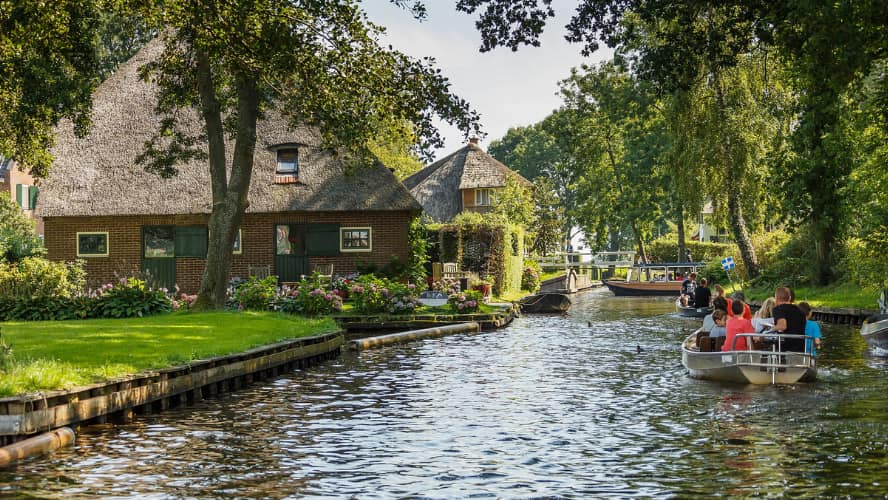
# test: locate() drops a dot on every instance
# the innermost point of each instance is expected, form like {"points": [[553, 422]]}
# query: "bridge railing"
{"points": [[585, 259]]}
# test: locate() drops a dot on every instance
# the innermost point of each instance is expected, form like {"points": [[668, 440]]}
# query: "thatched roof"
{"points": [[97, 175], [437, 187]]}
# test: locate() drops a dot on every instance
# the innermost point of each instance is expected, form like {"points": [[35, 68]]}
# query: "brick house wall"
{"points": [[389, 238]]}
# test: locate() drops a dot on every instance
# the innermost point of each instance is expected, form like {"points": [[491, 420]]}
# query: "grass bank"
{"points": [[50, 355], [844, 295]]}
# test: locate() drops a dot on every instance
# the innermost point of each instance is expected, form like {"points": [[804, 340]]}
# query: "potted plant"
{"points": [[483, 285]]}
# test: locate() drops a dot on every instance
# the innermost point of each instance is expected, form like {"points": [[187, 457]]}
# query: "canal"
{"points": [[591, 404]]}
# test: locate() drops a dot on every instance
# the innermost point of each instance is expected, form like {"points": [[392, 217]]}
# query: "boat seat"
{"points": [[717, 343], [704, 343]]}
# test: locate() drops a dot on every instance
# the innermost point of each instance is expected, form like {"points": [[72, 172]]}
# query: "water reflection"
{"points": [[552, 406]]}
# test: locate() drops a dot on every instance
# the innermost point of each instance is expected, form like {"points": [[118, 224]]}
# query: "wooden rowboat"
{"points": [[773, 366], [543, 303]]}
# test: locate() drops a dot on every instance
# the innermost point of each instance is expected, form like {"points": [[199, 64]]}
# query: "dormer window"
{"points": [[288, 161]]}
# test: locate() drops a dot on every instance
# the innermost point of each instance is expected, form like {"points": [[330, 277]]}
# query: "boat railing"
{"points": [[776, 356]]}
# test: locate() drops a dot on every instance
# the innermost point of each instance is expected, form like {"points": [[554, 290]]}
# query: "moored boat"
{"points": [[875, 332], [690, 311], [542, 303], [646, 280], [771, 366]]}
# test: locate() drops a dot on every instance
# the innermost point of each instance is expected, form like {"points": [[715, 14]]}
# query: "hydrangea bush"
{"points": [[372, 295], [307, 299], [468, 301]]}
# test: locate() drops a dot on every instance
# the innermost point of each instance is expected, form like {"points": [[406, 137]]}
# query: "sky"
{"points": [[507, 88]]}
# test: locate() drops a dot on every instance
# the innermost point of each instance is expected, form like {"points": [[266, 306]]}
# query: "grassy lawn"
{"points": [[837, 296], [62, 354]]}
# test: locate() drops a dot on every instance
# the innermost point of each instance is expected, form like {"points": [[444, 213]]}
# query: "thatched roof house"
{"points": [[465, 180], [299, 190]]}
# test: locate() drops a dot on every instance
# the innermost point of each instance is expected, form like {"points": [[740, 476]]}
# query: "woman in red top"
{"points": [[738, 296], [737, 324]]}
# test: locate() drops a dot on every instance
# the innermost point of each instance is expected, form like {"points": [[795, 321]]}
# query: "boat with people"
{"points": [[691, 311], [652, 279], [760, 366], [545, 302]]}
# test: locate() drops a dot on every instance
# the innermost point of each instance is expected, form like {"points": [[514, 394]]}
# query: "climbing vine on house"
{"points": [[485, 247]]}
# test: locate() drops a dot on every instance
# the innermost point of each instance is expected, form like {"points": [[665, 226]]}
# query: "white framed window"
{"points": [[288, 161], [355, 239], [92, 244], [483, 196], [237, 249]]}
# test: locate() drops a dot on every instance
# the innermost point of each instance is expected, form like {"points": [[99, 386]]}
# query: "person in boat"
{"points": [[719, 327], [763, 319], [687, 289], [788, 319], [718, 291], [812, 329], [736, 325], [739, 296], [702, 294], [718, 303]]}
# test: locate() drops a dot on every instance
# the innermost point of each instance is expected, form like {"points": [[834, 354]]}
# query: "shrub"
{"points": [[130, 297], [255, 294], [5, 352], [465, 302], [307, 299], [530, 278], [18, 234], [38, 277], [371, 295]]}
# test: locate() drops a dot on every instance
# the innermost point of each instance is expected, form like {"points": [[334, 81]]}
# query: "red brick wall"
{"points": [[389, 237]]}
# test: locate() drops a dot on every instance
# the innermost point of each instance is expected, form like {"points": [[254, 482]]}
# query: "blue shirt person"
{"points": [[812, 329]]}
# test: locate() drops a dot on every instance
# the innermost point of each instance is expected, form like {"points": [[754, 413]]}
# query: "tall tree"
{"points": [[316, 63], [48, 71]]}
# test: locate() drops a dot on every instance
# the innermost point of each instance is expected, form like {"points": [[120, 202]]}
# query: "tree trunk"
{"points": [[735, 208], [229, 194], [680, 227]]}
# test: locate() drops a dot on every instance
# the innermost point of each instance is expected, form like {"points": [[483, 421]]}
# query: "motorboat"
{"points": [[651, 279], [542, 303], [767, 365], [875, 332], [875, 329], [691, 311]]}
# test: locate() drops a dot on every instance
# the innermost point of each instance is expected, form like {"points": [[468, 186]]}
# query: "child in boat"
{"points": [[763, 320], [812, 329], [739, 296], [720, 318], [718, 303], [736, 325]]}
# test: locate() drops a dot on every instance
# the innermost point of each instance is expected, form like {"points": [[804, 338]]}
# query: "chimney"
{"points": [[473, 141]]}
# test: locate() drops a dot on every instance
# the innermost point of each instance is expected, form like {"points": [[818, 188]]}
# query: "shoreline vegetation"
{"points": [[52, 355]]}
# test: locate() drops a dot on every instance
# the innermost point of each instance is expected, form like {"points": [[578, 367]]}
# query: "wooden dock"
{"points": [[119, 399]]}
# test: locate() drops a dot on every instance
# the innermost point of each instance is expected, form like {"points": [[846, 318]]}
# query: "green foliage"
{"points": [[34, 277], [129, 298], [373, 295], [465, 302], [5, 352], [514, 203], [308, 298], [417, 239], [394, 147], [530, 278], [18, 232], [255, 294]]}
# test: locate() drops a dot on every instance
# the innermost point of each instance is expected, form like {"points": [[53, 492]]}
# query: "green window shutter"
{"points": [[191, 241], [323, 240], [33, 195], [18, 194]]}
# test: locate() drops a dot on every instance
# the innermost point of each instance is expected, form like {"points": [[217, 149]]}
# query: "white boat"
{"points": [[875, 332], [771, 366]]}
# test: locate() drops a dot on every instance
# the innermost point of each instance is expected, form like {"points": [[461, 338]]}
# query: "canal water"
{"points": [[587, 405]]}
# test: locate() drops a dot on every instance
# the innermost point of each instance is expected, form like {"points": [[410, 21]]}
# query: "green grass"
{"points": [[50, 355], [844, 295]]}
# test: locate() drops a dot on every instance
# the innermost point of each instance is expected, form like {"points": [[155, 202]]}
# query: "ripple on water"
{"points": [[549, 407]]}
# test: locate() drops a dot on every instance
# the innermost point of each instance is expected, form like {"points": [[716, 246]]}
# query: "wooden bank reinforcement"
{"points": [[118, 400], [425, 333]]}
